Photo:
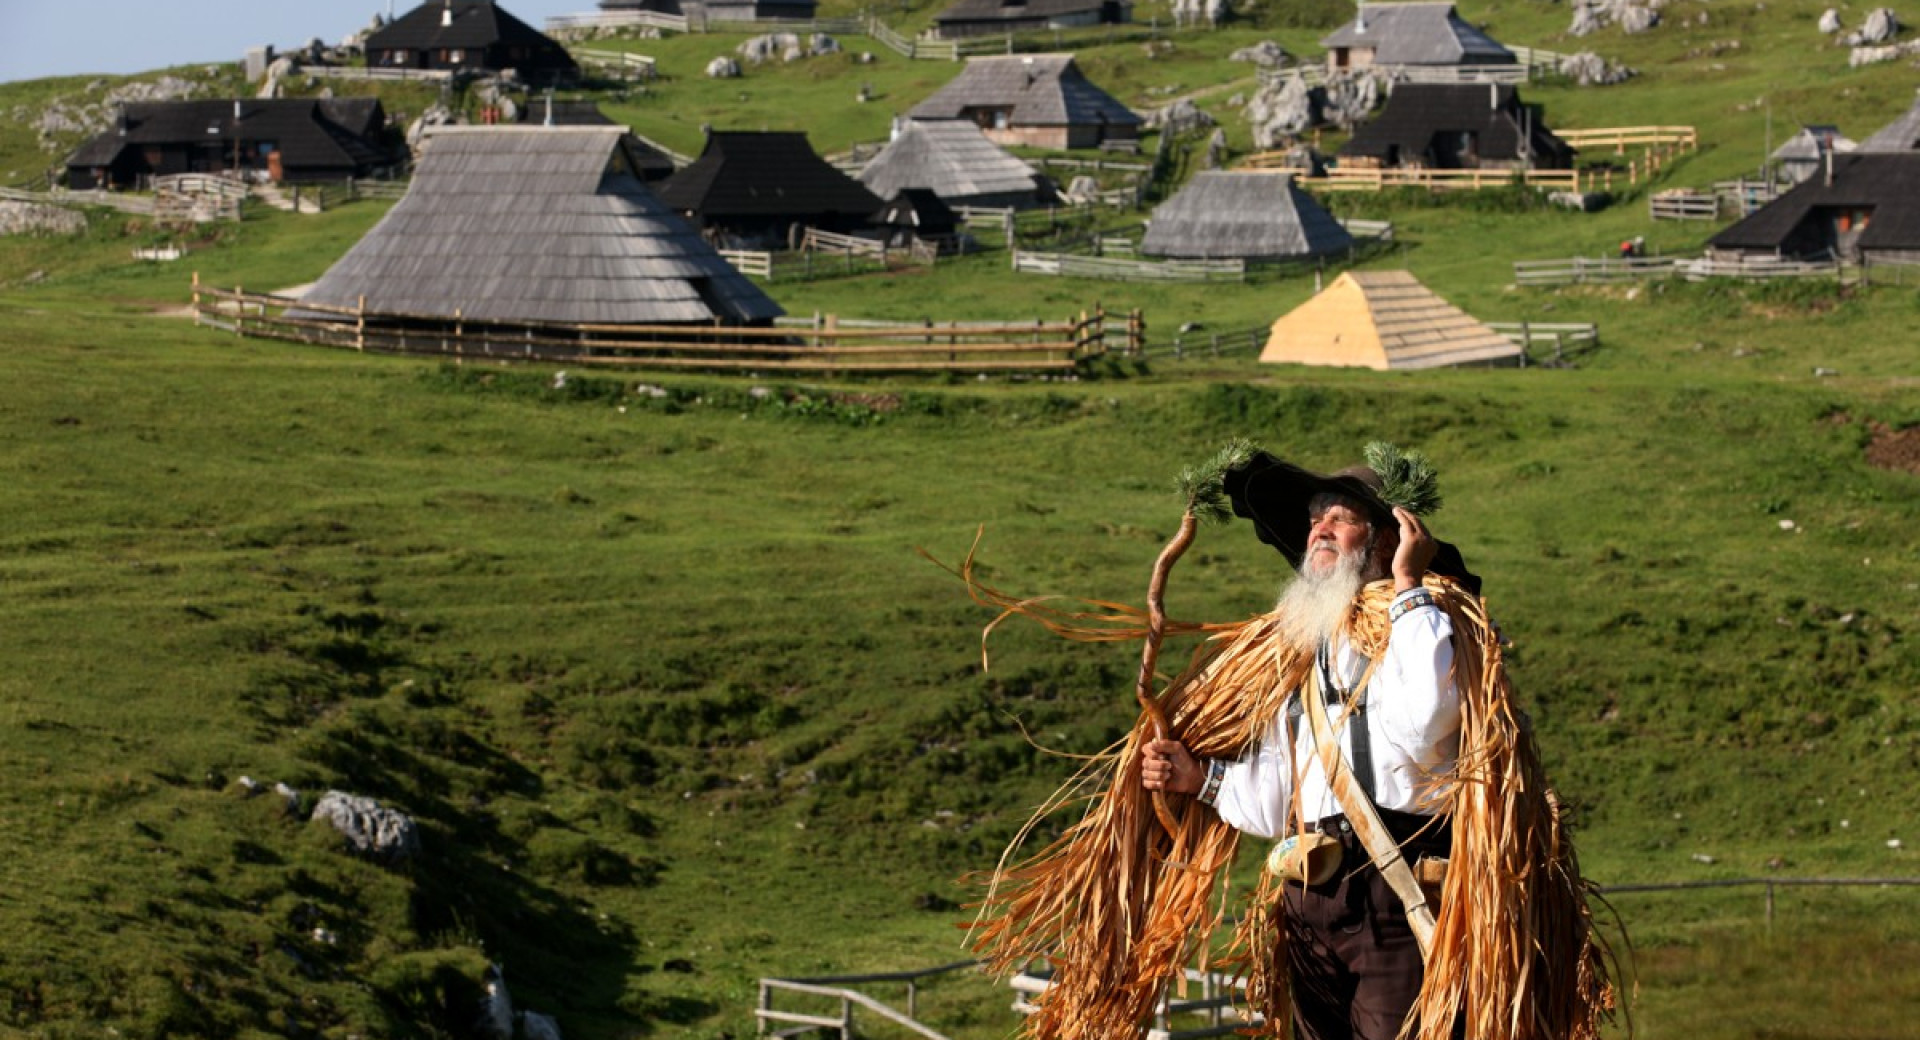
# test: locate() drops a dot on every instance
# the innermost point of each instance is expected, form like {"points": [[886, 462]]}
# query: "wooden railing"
{"points": [[1581, 270], [137, 204], [826, 347], [838, 988], [391, 75], [1620, 137], [1342, 178], [1115, 269], [627, 63], [617, 20]]}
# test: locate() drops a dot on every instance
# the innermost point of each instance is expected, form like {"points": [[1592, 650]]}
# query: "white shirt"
{"points": [[1413, 726]]}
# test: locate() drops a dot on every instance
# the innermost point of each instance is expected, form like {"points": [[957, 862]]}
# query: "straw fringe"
{"points": [[1119, 906]]}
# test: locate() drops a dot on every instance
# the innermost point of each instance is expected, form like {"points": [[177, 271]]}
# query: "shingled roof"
{"points": [[330, 134], [1384, 320], [1418, 113], [1884, 185], [1224, 215], [1041, 90], [765, 175], [1901, 135], [953, 159], [455, 25], [1418, 34], [537, 224]]}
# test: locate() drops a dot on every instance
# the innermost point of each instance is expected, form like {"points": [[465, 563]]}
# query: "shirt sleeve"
{"points": [[1256, 790], [1423, 709]]}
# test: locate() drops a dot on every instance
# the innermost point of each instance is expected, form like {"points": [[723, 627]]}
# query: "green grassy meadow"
{"points": [[658, 666]]}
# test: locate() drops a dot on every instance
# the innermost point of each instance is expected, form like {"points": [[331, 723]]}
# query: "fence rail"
{"points": [[1115, 269], [1349, 179], [1004, 347], [392, 75], [1683, 204], [141, 205], [1581, 270], [627, 62], [1619, 137]]}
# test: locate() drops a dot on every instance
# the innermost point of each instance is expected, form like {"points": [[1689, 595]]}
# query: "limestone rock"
{"points": [[1280, 111], [1181, 117], [1266, 52], [1830, 21], [385, 834], [1881, 25], [821, 44], [723, 67], [1588, 69]]}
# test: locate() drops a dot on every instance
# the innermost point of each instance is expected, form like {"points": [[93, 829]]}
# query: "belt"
{"points": [[1404, 826]]}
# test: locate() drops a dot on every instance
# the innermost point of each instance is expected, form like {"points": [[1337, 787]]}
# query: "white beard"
{"points": [[1314, 607]]}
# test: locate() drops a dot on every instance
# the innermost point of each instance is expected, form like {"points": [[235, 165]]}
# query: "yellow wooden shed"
{"points": [[1384, 320]]}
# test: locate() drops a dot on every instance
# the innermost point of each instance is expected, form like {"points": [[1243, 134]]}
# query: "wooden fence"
{"points": [[1346, 179], [1565, 338], [838, 987], [566, 23], [141, 205], [829, 347], [1115, 269], [626, 63], [1581, 270], [1683, 204], [357, 72]]}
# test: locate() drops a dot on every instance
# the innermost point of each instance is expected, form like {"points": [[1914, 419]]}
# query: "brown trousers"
{"points": [[1356, 966]]}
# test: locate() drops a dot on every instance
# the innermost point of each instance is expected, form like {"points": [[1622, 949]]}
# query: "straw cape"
{"points": [[1120, 902], [1223, 215], [1384, 320], [537, 223], [954, 160]]}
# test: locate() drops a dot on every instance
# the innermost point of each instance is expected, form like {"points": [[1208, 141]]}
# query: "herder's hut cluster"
{"points": [[1039, 100]]}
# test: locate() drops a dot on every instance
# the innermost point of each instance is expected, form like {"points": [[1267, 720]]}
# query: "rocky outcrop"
{"points": [[723, 67], [1588, 69], [380, 833], [1266, 53], [1881, 25], [38, 218], [1181, 117]]}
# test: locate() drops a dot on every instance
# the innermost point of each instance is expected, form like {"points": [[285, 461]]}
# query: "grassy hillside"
{"points": [[677, 704]]}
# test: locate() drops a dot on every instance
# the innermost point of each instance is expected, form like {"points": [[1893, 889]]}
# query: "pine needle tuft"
{"points": [[1408, 478], [1204, 486]]}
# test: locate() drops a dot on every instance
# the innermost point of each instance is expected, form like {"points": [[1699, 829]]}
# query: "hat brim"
{"points": [[1275, 496]]}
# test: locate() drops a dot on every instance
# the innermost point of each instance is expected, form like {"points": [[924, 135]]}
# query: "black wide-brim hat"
{"points": [[1275, 496]]}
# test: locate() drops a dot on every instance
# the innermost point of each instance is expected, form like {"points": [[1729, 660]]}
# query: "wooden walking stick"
{"points": [[1206, 494]]}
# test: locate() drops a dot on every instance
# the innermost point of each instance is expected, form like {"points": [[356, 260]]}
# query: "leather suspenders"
{"points": [[1359, 738]]}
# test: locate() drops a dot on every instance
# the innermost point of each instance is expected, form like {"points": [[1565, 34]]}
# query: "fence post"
{"points": [[360, 325], [239, 308], [1769, 905], [766, 1004], [459, 335]]}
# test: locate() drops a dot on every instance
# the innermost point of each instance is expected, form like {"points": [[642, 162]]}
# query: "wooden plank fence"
{"points": [[1348, 179], [357, 72], [1068, 265], [1581, 270], [1683, 204], [626, 63], [1007, 347], [1565, 338], [838, 987], [141, 205]]}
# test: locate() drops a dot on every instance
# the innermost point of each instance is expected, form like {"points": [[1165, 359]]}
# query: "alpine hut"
{"points": [[1384, 320], [1863, 207], [1456, 126], [649, 162], [537, 224], [1805, 153], [1042, 100], [954, 160], [916, 215], [283, 139], [1901, 135], [765, 188], [988, 17], [1410, 36], [1222, 215], [468, 35]]}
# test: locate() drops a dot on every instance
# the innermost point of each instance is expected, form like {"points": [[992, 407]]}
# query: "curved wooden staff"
{"points": [[1205, 491]]}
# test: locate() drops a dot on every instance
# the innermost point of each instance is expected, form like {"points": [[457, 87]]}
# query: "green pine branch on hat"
{"points": [[1204, 486], [1407, 478]]}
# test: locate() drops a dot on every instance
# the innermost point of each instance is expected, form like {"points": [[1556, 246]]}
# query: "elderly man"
{"points": [[1355, 963], [1382, 644]]}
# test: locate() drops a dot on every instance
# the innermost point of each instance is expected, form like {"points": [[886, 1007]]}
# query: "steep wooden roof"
{"points": [[537, 223], [1901, 135], [1223, 215], [1014, 10], [1493, 112], [1384, 320], [1409, 33], [309, 132], [457, 25], [1041, 89], [952, 158], [1887, 185], [770, 174]]}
